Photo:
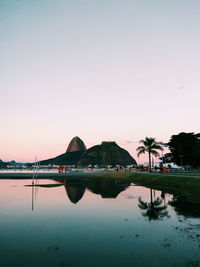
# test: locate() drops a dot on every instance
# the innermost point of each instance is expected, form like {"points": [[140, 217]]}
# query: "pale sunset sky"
{"points": [[108, 70]]}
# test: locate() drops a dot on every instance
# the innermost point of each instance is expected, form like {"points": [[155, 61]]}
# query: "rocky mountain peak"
{"points": [[76, 144]]}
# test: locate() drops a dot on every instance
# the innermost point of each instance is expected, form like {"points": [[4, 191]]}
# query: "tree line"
{"points": [[184, 149]]}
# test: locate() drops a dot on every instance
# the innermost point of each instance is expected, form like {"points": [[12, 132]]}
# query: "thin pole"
{"points": [[36, 165], [32, 198], [34, 170]]}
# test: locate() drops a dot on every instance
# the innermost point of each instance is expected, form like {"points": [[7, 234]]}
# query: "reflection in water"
{"points": [[154, 209], [75, 235], [33, 198], [106, 188], [75, 191], [35, 184], [185, 208]]}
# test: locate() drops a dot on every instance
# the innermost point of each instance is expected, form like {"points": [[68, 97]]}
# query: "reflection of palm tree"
{"points": [[150, 146], [154, 209]]}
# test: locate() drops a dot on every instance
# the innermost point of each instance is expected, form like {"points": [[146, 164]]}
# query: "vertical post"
{"points": [[32, 198], [34, 170]]}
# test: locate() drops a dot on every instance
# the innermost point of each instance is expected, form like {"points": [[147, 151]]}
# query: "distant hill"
{"points": [[12, 163], [2, 164], [108, 153]]}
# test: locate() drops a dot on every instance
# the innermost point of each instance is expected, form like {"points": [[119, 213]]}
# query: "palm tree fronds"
{"points": [[141, 147], [141, 150], [157, 146], [158, 201], [155, 153], [142, 205]]}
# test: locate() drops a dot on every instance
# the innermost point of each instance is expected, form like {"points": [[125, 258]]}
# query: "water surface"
{"points": [[95, 223]]}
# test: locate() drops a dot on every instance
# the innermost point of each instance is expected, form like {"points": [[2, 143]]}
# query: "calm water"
{"points": [[95, 223]]}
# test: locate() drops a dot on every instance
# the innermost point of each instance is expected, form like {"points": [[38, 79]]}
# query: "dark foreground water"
{"points": [[96, 223]]}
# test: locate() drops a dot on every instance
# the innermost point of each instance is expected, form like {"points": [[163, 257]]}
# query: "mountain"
{"points": [[76, 144], [72, 155], [108, 153]]}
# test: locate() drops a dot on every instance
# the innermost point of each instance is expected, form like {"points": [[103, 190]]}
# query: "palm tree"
{"points": [[150, 146]]}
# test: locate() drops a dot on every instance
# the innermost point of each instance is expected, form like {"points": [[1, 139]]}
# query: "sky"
{"points": [[109, 70]]}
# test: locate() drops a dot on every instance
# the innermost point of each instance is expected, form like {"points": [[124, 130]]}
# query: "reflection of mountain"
{"points": [[75, 191], [106, 188], [185, 208]]}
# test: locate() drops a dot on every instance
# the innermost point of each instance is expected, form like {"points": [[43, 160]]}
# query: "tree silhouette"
{"points": [[185, 149], [150, 146]]}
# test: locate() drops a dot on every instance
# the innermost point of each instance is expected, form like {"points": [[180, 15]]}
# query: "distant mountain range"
{"points": [[12, 163]]}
